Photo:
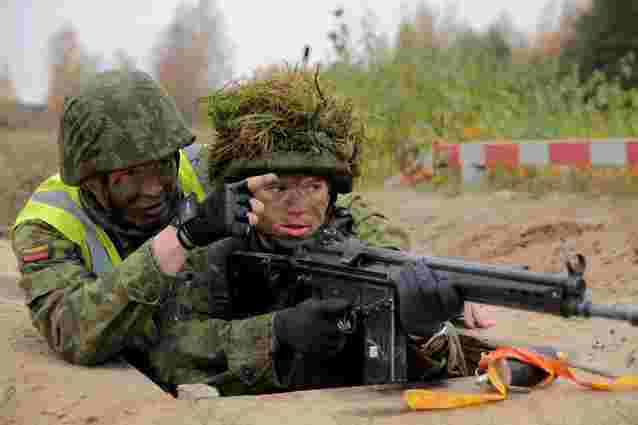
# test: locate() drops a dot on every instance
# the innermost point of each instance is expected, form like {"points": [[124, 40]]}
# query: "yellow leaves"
{"points": [[472, 133]]}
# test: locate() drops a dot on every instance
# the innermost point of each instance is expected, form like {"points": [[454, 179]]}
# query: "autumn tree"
{"points": [[70, 66], [425, 20], [7, 89], [64, 66], [7, 95], [193, 55]]}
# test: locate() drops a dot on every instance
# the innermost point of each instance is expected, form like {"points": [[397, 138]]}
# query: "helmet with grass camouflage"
{"points": [[119, 119], [286, 124]]}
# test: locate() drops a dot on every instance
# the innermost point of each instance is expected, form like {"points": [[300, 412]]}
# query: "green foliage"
{"points": [[291, 111], [606, 41], [471, 90]]}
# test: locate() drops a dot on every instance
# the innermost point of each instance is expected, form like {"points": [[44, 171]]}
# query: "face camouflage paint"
{"points": [[142, 191], [295, 206]]}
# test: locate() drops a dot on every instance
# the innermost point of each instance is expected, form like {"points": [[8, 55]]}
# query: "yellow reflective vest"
{"points": [[58, 205]]}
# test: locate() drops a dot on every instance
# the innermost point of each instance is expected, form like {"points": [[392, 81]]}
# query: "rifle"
{"points": [[365, 276]]}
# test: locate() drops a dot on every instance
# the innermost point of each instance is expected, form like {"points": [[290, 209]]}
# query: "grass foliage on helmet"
{"points": [[287, 123]]}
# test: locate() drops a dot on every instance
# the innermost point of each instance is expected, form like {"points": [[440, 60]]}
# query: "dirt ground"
{"points": [[503, 228]]}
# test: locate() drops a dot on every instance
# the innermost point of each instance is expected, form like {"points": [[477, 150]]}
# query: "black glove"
{"points": [[425, 299], [311, 327], [221, 214]]}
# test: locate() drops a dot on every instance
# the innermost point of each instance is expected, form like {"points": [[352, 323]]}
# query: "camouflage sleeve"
{"points": [[84, 318], [192, 350], [238, 350], [373, 227]]}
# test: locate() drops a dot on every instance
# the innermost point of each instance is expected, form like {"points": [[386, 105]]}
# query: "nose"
{"points": [[292, 196]]}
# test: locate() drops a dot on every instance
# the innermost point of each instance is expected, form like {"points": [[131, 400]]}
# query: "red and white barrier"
{"points": [[474, 159]]}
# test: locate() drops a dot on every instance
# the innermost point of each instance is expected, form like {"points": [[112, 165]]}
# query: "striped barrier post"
{"points": [[474, 160]]}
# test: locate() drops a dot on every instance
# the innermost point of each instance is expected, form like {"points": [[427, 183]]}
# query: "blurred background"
{"points": [[419, 71]]}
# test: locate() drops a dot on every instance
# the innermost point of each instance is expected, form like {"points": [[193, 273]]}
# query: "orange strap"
{"points": [[493, 362]]}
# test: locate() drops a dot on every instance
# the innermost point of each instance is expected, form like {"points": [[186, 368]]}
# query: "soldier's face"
{"points": [[143, 192], [294, 206]]}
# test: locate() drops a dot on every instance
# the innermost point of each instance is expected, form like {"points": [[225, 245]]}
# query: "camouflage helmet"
{"points": [[119, 119], [286, 124]]}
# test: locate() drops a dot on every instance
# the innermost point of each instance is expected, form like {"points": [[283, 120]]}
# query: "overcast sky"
{"points": [[262, 31]]}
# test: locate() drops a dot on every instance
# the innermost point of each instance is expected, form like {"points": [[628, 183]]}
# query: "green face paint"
{"points": [[294, 207], [140, 192], [127, 184]]}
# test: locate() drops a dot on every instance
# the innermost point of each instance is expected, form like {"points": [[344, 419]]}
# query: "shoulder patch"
{"points": [[36, 253]]}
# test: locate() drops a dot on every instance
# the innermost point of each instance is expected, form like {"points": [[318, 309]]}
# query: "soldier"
{"points": [[283, 125], [96, 248]]}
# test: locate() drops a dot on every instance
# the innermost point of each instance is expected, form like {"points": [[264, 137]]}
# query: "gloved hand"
{"points": [[425, 299], [229, 211], [311, 327]]}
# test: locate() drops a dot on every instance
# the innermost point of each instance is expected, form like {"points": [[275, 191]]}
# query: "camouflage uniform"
{"points": [[161, 322], [89, 319]]}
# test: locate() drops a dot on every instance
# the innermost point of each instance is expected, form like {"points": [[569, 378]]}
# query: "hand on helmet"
{"points": [[230, 211], [425, 298]]}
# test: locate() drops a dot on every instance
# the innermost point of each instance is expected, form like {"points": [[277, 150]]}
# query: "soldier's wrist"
{"points": [[167, 251]]}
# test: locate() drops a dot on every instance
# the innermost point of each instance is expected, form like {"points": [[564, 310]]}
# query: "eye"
{"points": [[313, 186], [118, 176]]}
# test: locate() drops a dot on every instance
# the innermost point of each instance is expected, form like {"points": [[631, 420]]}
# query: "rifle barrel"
{"points": [[627, 312]]}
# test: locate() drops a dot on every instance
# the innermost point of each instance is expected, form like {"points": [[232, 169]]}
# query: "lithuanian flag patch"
{"points": [[37, 253]]}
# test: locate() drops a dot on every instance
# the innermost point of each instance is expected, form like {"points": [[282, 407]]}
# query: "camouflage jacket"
{"points": [[88, 319]]}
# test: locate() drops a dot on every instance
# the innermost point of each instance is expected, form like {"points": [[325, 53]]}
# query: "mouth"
{"points": [[155, 211], [295, 230]]}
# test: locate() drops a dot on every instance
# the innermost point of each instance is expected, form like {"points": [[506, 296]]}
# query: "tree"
{"points": [[374, 43], [70, 65], [340, 37], [64, 66], [606, 40], [501, 36], [7, 89], [450, 27], [193, 56]]}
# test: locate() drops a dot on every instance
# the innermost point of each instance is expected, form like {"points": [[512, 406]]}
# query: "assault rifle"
{"points": [[366, 275]]}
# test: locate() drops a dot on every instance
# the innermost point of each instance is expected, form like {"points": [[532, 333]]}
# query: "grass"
{"points": [[461, 95], [26, 158], [457, 94]]}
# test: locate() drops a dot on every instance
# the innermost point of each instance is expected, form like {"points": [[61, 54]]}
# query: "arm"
{"points": [[210, 342], [377, 230], [87, 319]]}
